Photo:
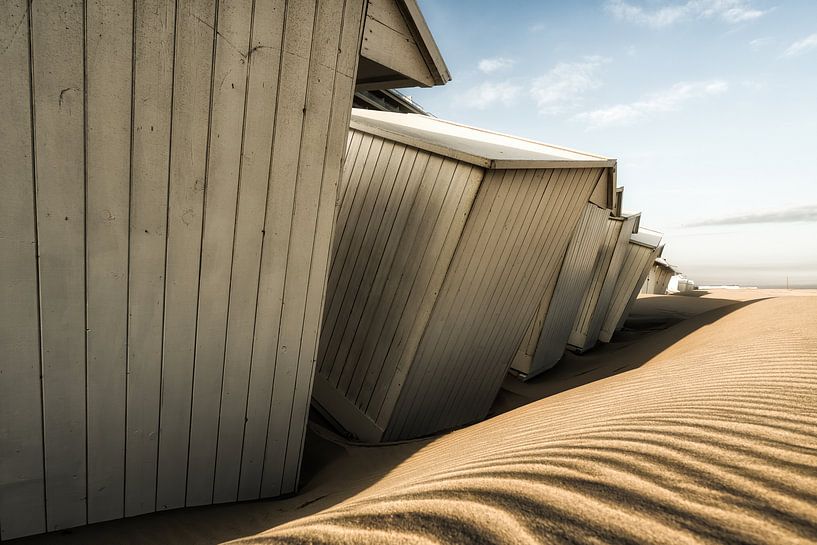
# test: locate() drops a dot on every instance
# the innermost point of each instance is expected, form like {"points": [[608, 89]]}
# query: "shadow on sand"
{"points": [[335, 469], [665, 319]]}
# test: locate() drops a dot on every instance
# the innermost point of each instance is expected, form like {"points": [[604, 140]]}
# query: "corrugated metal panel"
{"points": [[181, 274], [547, 336], [437, 268], [633, 272]]}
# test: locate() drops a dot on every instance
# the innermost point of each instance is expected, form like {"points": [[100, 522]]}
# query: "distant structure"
{"points": [[387, 100]]}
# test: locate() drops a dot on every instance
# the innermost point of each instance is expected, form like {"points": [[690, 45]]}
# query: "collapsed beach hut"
{"points": [[168, 195], [642, 250], [447, 239], [658, 279]]}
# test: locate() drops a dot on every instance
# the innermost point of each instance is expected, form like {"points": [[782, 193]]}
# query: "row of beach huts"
{"points": [[199, 239]]}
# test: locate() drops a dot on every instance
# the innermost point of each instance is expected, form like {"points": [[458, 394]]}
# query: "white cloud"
{"points": [[491, 65], [670, 100], [563, 86], [801, 46], [759, 43], [488, 93], [729, 11]]}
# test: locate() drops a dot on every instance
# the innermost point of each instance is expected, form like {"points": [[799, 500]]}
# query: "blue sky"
{"points": [[710, 107]]}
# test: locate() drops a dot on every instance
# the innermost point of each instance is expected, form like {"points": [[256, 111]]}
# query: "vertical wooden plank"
{"points": [[262, 91], [290, 368], [22, 501], [289, 116], [192, 79], [226, 125], [152, 104], [341, 103], [109, 33], [57, 57]]}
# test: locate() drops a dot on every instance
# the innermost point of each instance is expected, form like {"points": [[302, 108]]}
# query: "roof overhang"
{"points": [[397, 49]]}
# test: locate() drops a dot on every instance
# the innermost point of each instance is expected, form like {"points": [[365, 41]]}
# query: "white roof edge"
{"points": [[384, 124]]}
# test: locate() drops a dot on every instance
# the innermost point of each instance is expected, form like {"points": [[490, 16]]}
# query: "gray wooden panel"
{"points": [[555, 316], [152, 105], [542, 272], [57, 64], [394, 237], [456, 195], [498, 225], [22, 500], [108, 134], [517, 264], [633, 272], [192, 80], [221, 191], [265, 373], [262, 93], [581, 337], [294, 361], [344, 54], [613, 270]]}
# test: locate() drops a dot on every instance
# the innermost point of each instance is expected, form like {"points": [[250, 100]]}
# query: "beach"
{"points": [[698, 423]]}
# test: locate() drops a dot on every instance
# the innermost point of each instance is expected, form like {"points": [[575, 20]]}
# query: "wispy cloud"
{"points": [[563, 87], [728, 11], [489, 66], [667, 101], [805, 213], [801, 46], [759, 43], [489, 93]]}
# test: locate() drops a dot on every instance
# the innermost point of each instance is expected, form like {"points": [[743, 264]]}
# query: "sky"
{"points": [[709, 106]]}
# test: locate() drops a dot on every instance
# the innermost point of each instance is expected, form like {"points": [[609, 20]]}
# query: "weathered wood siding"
{"points": [[436, 271], [636, 265], [508, 259], [657, 280], [596, 299], [168, 186], [545, 341]]}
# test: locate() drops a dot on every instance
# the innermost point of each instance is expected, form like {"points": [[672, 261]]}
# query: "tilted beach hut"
{"points": [[599, 293], [642, 250], [167, 195], [446, 241], [658, 279]]}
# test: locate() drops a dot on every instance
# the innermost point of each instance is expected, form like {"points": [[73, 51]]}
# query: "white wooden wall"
{"points": [[545, 341], [507, 259], [634, 270], [168, 181], [657, 280]]}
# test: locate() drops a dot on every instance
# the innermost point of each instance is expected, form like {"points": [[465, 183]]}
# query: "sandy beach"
{"points": [[697, 424]]}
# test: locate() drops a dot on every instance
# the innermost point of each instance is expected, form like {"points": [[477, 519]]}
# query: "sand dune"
{"points": [[714, 439]]}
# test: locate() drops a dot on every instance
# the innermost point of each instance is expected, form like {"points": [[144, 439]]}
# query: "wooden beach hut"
{"points": [[658, 279], [167, 193], [447, 239], [642, 250]]}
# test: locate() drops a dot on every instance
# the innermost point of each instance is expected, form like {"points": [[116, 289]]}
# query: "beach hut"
{"points": [[642, 249], [586, 281], [658, 279], [168, 183], [544, 343], [447, 239], [597, 297]]}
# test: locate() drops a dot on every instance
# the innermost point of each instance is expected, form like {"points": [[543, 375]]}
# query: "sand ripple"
{"points": [[712, 440]]}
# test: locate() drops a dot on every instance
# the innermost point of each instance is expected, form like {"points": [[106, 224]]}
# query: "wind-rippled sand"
{"points": [[713, 439]]}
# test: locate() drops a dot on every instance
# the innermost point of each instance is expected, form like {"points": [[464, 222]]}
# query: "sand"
{"points": [[698, 424]]}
